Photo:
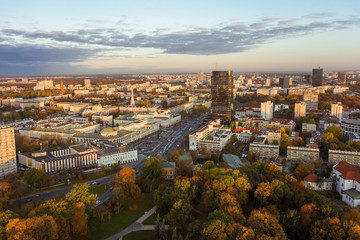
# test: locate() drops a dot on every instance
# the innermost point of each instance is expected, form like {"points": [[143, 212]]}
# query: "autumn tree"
{"points": [[39, 228], [124, 183], [285, 141], [79, 220], [52, 208], [265, 225], [236, 231], [180, 214], [263, 192], [5, 217], [329, 228], [80, 193], [174, 156], [308, 215], [209, 164], [214, 231], [301, 171], [5, 195]]}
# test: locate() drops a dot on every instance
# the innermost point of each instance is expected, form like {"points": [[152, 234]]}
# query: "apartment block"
{"points": [[265, 151], [302, 153], [8, 152]]}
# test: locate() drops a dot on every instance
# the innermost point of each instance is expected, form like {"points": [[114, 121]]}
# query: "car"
{"points": [[111, 189], [29, 200], [97, 202], [95, 183]]}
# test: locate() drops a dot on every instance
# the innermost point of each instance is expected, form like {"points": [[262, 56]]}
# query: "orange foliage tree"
{"points": [[79, 220], [125, 183]]}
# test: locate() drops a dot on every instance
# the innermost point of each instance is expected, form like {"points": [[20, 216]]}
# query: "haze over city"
{"points": [[117, 37]]}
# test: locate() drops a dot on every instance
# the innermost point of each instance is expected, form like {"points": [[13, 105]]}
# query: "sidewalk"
{"points": [[136, 226]]}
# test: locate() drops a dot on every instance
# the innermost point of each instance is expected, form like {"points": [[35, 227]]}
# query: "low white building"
{"points": [[313, 182], [347, 179], [113, 153]]}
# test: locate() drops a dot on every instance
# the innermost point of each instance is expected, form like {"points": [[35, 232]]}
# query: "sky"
{"points": [[166, 36]]}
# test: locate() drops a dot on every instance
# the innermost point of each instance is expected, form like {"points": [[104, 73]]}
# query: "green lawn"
{"points": [[150, 220], [99, 189], [99, 230], [140, 235]]}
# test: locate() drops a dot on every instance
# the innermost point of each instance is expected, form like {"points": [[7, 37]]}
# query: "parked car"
{"points": [[95, 183], [97, 201]]}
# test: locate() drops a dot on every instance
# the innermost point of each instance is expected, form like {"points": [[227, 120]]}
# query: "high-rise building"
{"points": [[267, 110], [8, 152], [308, 78], [87, 83], [132, 100], [62, 88], [201, 76], [342, 77], [300, 110], [222, 94], [336, 110], [311, 98], [285, 82], [317, 75]]}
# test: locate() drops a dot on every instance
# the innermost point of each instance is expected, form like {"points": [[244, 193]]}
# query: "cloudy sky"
{"points": [[159, 36]]}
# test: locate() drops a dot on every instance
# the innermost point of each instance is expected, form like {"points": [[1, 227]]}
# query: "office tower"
{"points": [[221, 94], [268, 82], [62, 88], [342, 77], [308, 78], [300, 110], [8, 152], [317, 75], [285, 82], [336, 110], [201, 76], [311, 98], [267, 110], [87, 83], [132, 100]]}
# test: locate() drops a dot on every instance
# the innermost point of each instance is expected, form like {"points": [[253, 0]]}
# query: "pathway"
{"points": [[136, 226]]}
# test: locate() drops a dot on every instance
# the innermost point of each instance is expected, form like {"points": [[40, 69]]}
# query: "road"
{"points": [[169, 139]]}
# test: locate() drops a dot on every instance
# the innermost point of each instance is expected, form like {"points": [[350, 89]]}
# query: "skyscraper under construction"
{"points": [[221, 94]]}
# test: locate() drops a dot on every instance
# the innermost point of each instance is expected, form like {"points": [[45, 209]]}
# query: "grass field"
{"points": [[140, 235], [150, 220], [100, 230], [98, 189]]}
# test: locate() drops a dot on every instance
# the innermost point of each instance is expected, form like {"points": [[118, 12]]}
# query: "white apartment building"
{"points": [[265, 151], [336, 156], [7, 151], [347, 180], [302, 154], [336, 110], [267, 110], [300, 110]]}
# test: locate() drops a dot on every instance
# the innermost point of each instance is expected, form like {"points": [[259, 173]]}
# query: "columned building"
{"points": [[222, 95]]}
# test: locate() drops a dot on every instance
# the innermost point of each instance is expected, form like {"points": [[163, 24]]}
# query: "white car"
{"points": [[97, 201]]}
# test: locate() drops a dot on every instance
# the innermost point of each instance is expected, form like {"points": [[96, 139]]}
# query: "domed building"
{"points": [[108, 132]]}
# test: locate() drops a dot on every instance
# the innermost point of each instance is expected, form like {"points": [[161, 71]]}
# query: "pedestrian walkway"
{"points": [[136, 226]]}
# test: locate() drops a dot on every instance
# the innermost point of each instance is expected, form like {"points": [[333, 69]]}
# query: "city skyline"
{"points": [[64, 38]]}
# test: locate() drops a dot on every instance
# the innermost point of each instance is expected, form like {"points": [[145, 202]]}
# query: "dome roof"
{"points": [[108, 132]]}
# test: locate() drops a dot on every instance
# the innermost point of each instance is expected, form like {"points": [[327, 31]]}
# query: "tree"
{"points": [[79, 220], [220, 215], [194, 230], [80, 193], [5, 195], [214, 231], [180, 214], [39, 228], [64, 228], [284, 143], [232, 126], [301, 171], [329, 228], [33, 176], [152, 168], [209, 164], [263, 192], [298, 141], [292, 224], [124, 183], [308, 215], [174, 156], [160, 229], [265, 225], [102, 213], [236, 231], [242, 184], [5, 217], [329, 140], [52, 208]]}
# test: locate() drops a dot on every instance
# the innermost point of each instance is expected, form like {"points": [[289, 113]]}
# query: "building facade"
{"points": [[336, 156], [267, 110], [300, 110], [311, 98], [302, 154], [342, 77], [350, 126], [265, 151], [222, 95], [8, 152], [317, 76], [337, 110]]}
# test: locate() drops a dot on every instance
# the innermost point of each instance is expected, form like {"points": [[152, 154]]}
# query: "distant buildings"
{"points": [[221, 94], [308, 127], [87, 83], [300, 110], [311, 98], [317, 75], [350, 126], [342, 77], [8, 152], [267, 110], [336, 110], [285, 82]]}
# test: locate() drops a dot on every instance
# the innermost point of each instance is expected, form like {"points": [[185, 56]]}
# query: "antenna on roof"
{"points": [[216, 66]]}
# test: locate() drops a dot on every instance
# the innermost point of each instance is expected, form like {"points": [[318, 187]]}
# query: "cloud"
{"points": [[223, 39]]}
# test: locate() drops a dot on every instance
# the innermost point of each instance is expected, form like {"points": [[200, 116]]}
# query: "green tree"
{"points": [[232, 126], [80, 193], [180, 214], [301, 171], [33, 176], [209, 164]]}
